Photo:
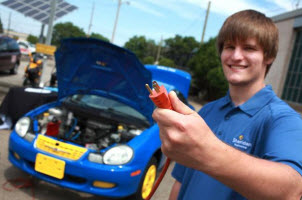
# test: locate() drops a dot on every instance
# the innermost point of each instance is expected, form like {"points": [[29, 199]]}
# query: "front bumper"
{"points": [[80, 174]]}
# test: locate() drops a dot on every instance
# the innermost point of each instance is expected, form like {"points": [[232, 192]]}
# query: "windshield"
{"points": [[103, 103], [31, 45]]}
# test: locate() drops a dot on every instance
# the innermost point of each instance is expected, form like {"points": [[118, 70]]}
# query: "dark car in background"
{"points": [[9, 54]]}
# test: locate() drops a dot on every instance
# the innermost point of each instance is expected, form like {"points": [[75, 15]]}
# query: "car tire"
{"points": [[148, 180], [14, 70]]}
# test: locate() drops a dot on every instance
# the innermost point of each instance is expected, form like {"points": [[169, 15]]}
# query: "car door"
{"points": [[14, 50], [5, 57], [23, 48]]}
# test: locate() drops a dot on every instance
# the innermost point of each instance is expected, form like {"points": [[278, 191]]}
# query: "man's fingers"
{"points": [[165, 116], [178, 105]]}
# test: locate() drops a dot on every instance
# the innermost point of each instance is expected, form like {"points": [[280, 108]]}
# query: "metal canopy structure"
{"points": [[39, 9]]}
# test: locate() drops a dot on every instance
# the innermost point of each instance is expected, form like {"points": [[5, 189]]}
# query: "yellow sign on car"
{"points": [[50, 166], [61, 149], [45, 49]]}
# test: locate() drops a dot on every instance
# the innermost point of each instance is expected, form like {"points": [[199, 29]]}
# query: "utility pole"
{"points": [[91, 18], [158, 51], [8, 24], [41, 37], [50, 22], [297, 4], [205, 22], [116, 18]]}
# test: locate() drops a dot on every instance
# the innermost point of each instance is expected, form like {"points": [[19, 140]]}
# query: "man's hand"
{"points": [[184, 134]]}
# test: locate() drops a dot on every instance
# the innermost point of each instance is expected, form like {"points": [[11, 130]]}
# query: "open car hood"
{"points": [[91, 66]]}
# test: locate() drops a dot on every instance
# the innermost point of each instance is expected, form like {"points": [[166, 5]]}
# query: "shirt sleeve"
{"points": [[178, 172], [284, 141]]}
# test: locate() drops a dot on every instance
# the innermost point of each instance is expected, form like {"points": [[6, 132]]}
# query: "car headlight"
{"points": [[22, 126], [95, 157], [118, 155]]}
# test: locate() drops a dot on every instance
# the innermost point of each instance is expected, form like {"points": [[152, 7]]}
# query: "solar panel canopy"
{"points": [[39, 9]]}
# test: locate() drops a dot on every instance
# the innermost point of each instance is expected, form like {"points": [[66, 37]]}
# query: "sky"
{"points": [[154, 19]]}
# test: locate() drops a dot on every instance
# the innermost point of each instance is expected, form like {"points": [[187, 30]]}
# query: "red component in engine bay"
{"points": [[53, 128]]}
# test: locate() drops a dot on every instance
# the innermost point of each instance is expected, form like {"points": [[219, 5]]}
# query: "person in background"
{"points": [[33, 70], [246, 145]]}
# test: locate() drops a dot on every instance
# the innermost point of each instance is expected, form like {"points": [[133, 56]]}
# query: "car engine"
{"points": [[87, 130]]}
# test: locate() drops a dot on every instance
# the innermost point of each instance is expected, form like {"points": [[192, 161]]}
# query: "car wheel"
{"points": [[14, 70], [147, 180]]}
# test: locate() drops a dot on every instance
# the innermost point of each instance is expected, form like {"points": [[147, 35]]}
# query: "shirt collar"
{"points": [[254, 104], [258, 101], [226, 100]]}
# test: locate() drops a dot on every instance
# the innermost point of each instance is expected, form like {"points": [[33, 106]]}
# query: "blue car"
{"points": [[99, 136]]}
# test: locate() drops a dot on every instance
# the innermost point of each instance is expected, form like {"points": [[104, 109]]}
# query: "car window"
{"points": [[13, 45], [23, 44], [103, 103], [3, 44], [31, 45], [181, 97]]}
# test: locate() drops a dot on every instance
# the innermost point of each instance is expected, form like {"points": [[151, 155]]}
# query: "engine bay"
{"points": [[85, 129]]}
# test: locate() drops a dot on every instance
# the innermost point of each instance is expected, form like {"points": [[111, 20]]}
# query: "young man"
{"points": [[246, 145]]}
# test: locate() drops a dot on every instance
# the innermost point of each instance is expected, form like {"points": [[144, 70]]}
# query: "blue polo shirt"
{"points": [[264, 126]]}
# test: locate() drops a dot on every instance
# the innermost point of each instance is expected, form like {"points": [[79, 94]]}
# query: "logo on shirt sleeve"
{"points": [[241, 143]]}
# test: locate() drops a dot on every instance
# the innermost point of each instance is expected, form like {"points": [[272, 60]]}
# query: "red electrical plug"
{"points": [[160, 98]]}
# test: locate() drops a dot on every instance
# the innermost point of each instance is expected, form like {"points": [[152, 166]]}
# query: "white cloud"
{"points": [[284, 4], [146, 8], [222, 7], [176, 6]]}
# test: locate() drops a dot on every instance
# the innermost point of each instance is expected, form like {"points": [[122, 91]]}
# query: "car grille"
{"points": [[58, 148]]}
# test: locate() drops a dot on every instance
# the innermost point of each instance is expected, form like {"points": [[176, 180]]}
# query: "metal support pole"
{"points": [[91, 18], [41, 37], [158, 51], [8, 25], [205, 23], [50, 22], [116, 19]]}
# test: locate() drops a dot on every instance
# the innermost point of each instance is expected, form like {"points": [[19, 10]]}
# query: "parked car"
{"points": [[26, 47], [99, 136], [9, 54]]}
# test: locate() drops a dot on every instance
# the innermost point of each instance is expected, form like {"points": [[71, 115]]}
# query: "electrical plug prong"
{"points": [[149, 89], [156, 86]]}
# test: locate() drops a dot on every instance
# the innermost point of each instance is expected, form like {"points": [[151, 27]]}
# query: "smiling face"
{"points": [[243, 63], [250, 26]]}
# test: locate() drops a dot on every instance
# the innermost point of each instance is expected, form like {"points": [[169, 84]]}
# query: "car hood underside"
{"points": [[91, 66]]}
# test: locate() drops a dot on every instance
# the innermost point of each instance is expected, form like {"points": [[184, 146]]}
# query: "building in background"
{"points": [[16, 35], [285, 75]]}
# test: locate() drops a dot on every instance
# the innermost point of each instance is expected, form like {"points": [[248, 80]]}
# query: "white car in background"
{"points": [[26, 47]]}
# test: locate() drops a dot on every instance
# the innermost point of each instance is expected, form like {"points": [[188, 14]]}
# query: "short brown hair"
{"points": [[250, 24]]}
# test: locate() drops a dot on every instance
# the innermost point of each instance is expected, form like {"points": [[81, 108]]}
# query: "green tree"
{"points": [[99, 36], [166, 62], [32, 39], [179, 49], [148, 60], [65, 30], [217, 83], [138, 45], [1, 27], [141, 47], [151, 48], [202, 66]]}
